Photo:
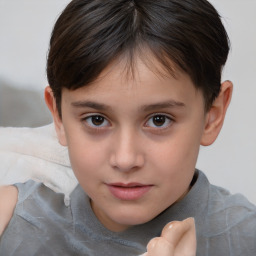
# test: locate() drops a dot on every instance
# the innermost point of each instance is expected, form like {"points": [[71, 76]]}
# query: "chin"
{"points": [[132, 218]]}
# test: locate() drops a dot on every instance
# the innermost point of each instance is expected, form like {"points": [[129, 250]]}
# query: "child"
{"points": [[135, 89]]}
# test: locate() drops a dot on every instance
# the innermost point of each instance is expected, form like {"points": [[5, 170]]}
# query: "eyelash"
{"points": [[89, 122], [167, 119]]}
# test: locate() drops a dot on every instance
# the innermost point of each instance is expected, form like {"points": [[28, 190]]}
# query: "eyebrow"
{"points": [[90, 104], [165, 104], [145, 108]]}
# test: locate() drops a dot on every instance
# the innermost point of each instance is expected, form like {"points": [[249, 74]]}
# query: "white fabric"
{"points": [[35, 153]]}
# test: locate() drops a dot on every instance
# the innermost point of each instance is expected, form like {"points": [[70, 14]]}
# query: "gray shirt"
{"points": [[43, 225]]}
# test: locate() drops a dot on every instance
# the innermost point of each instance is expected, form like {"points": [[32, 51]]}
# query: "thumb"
{"points": [[182, 236]]}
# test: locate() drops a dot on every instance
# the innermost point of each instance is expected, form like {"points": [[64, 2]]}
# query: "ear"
{"points": [[51, 103], [216, 115]]}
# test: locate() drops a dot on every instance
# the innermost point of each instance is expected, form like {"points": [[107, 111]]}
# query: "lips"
{"points": [[128, 192]]}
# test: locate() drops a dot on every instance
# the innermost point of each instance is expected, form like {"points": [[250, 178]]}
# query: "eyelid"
{"points": [[171, 117], [91, 114], [168, 116], [87, 116]]}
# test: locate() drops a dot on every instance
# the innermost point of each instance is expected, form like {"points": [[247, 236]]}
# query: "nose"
{"points": [[126, 154]]}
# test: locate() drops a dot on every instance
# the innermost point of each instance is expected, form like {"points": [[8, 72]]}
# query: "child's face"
{"points": [[133, 142]]}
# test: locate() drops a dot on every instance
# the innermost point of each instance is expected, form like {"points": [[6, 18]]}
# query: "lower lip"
{"points": [[129, 193]]}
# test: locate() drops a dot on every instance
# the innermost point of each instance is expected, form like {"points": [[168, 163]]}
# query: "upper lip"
{"points": [[128, 185]]}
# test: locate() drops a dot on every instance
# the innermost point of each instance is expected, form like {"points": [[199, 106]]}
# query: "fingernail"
{"points": [[170, 226], [153, 244]]}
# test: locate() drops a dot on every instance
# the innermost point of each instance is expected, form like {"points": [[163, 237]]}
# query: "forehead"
{"points": [[140, 84], [132, 66]]}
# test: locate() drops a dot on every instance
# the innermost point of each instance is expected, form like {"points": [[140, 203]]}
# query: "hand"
{"points": [[178, 238]]}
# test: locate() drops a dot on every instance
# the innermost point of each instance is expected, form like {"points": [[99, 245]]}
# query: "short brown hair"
{"points": [[89, 34]]}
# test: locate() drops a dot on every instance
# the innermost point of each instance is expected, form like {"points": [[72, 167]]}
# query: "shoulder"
{"points": [[8, 200], [10, 196], [233, 216], [227, 224], [29, 201], [222, 199]]}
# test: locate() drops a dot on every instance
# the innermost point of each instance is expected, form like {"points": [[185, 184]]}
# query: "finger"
{"points": [[159, 246], [174, 230], [182, 236]]}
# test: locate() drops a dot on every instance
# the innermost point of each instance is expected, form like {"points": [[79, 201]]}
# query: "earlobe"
{"points": [[51, 103], [216, 115]]}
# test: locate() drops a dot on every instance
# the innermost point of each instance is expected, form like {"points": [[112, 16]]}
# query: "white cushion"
{"points": [[35, 153]]}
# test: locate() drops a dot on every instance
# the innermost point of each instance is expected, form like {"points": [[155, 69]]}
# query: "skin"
{"points": [[127, 146], [177, 238], [148, 130], [8, 199]]}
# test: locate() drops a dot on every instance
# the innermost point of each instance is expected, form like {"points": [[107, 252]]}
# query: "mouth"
{"points": [[130, 191]]}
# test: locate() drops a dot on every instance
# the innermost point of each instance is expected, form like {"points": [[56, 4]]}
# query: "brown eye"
{"points": [[159, 121], [96, 121]]}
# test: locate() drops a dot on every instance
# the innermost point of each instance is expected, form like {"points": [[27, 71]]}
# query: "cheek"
{"points": [[86, 157], [175, 160], [175, 172], [178, 152]]}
